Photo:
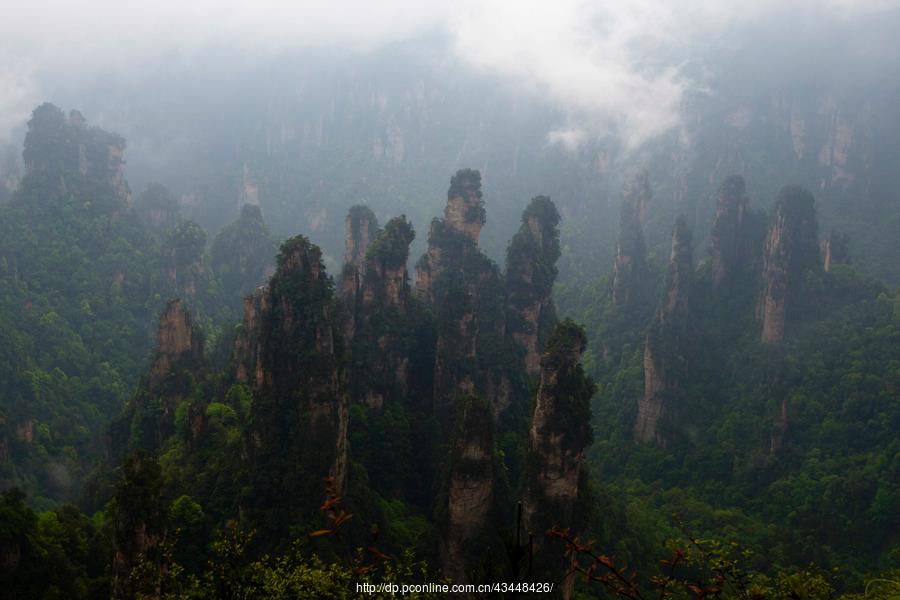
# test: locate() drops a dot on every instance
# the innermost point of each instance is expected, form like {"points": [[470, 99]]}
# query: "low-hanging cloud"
{"points": [[612, 67], [618, 68], [596, 60]]}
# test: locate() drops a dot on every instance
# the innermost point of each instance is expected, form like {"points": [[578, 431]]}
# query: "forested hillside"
{"points": [[77, 277], [84, 272], [751, 392], [186, 417]]}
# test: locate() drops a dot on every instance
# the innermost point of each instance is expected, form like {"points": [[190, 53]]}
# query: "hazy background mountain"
{"points": [[310, 110]]}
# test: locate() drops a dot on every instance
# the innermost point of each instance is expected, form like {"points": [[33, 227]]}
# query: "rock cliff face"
{"points": [[835, 250], [465, 288], [465, 209], [664, 352], [470, 494], [150, 416], [431, 263], [630, 266], [361, 228], [530, 274], [376, 314], [247, 365], [385, 278], [299, 412], [791, 248], [560, 432], [729, 243], [177, 342], [456, 235], [456, 364]]}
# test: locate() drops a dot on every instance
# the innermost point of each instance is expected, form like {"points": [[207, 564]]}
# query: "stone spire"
{"points": [[470, 490], [560, 433], [465, 208], [728, 243], [631, 251], [530, 274], [664, 353], [177, 341], [361, 228], [456, 235], [791, 248], [376, 314], [299, 413]]}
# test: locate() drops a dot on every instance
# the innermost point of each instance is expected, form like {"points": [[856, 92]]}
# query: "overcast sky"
{"points": [[616, 67]]}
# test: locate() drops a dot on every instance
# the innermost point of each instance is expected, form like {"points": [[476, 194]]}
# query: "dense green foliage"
{"points": [[790, 450], [77, 273], [52, 554], [291, 444], [391, 338], [391, 248], [82, 276]]}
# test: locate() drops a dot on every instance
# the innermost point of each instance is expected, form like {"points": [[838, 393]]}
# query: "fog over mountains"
{"points": [[296, 297], [522, 90]]}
